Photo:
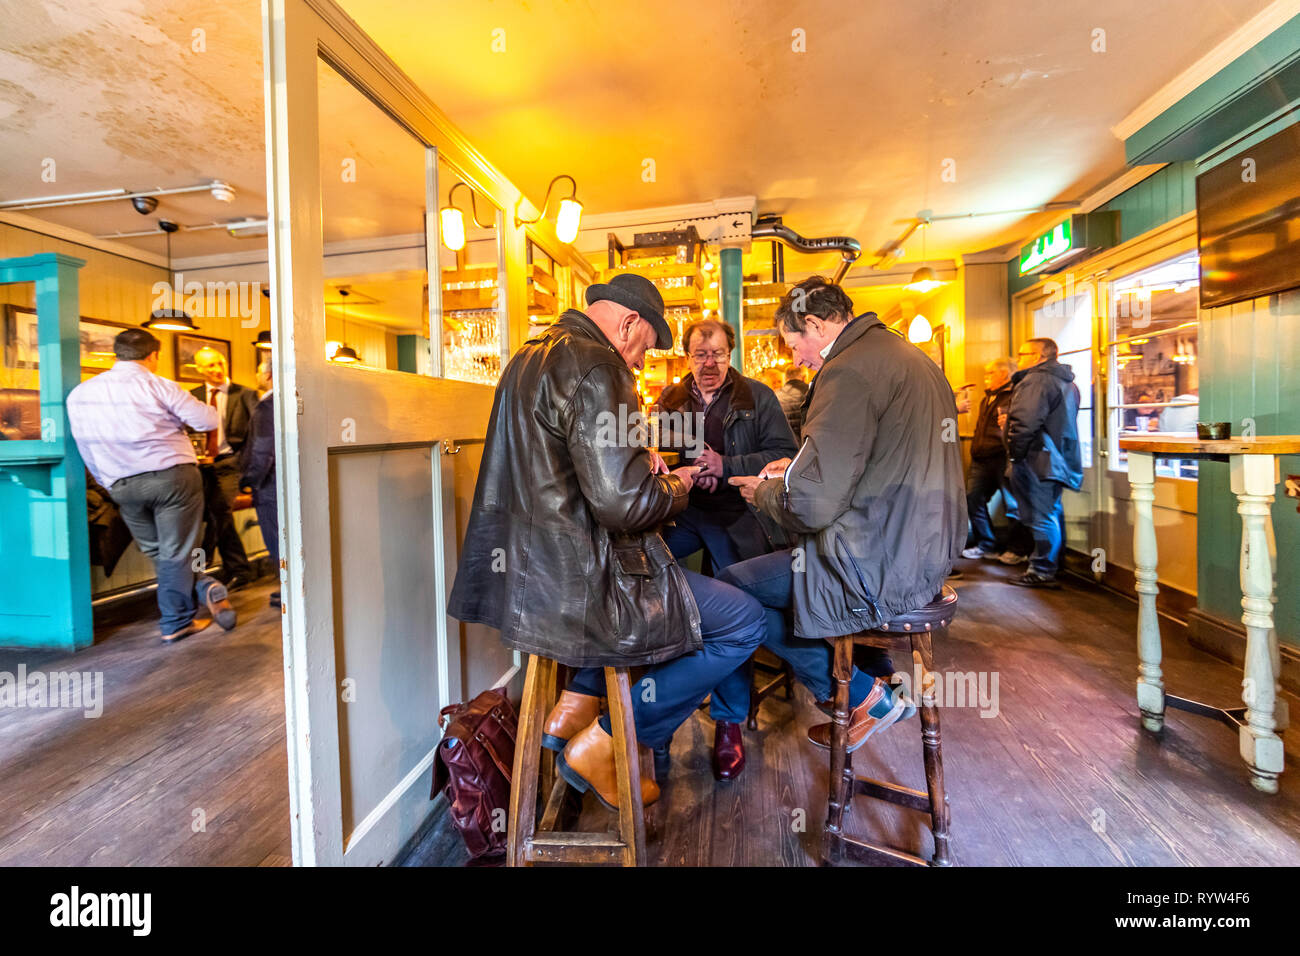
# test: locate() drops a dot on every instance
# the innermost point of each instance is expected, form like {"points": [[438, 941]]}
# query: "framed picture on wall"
{"points": [[187, 345], [22, 342]]}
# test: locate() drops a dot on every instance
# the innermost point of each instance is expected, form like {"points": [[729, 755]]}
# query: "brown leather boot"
{"points": [[570, 715], [588, 764], [861, 724]]}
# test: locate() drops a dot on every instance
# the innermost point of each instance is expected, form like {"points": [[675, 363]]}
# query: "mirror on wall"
{"points": [[470, 259], [374, 176]]}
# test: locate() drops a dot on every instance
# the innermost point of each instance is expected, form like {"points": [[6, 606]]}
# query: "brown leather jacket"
{"points": [[563, 553]]}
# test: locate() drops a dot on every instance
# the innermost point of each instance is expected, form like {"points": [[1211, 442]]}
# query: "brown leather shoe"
{"points": [[861, 724], [572, 713], [728, 750], [588, 764], [191, 628]]}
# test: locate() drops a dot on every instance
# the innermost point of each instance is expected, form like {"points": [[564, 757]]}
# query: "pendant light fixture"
{"points": [[567, 219], [346, 354], [173, 319], [453, 220], [263, 342], [924, 279]]}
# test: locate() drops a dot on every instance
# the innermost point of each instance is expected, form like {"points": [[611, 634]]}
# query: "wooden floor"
{"points": [[187, 764], [1062, 774]]}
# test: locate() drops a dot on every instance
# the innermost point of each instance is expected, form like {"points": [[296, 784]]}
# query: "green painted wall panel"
{"points": [[1249, 355], [1166, 195]]}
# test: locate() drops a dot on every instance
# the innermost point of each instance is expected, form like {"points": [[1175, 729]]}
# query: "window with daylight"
{"points": [[1151, 353], [1067, 320]]}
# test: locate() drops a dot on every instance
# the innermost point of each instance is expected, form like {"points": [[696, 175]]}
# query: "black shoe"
{"points": [[238, 581], [663, 762], [1032, 579], [275, 599]]}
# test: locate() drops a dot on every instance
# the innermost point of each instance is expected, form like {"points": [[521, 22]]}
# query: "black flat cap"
{"points": [[640, 295]]}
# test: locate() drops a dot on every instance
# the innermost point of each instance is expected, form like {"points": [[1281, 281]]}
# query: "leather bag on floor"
{"points": [[473, 763]]}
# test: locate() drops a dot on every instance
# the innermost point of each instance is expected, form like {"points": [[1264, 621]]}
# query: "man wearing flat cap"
{"points": [[563, 553]]}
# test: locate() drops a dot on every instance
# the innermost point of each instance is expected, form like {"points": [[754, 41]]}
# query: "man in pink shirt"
{"points": [[128, 423]]}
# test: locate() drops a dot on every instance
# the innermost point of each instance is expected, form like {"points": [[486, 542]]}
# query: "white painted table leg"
{"points": [[1281, 712], [1150, 682], [1254, 478]]}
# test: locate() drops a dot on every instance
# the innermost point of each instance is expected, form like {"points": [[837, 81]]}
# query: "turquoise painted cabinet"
{"points": [[44, 546]]}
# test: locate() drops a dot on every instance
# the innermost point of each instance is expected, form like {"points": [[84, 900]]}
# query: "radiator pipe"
{"points": [[848, 248]]}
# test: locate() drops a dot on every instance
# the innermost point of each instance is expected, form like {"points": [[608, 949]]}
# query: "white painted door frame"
{"points": [[390, 410]]}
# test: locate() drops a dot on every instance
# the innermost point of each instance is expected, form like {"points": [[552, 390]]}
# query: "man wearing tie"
{"points": [[234, 405]]}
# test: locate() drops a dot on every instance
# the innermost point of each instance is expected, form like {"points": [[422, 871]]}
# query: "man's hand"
{"points": [[687, 474], [657, 466], [747, 484], [963, 402], [710, 463], [775, 469], [708, 483]]}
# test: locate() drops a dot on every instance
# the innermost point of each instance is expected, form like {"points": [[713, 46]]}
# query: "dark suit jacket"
{"points": [[239, 411], [258, 459]]}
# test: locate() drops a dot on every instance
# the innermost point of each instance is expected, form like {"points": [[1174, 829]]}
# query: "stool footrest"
{"points": [[860, 852], [574, 848], [892, 793]]}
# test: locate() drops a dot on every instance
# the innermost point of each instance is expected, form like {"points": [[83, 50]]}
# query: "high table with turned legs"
{"points": [[1254, 471]]}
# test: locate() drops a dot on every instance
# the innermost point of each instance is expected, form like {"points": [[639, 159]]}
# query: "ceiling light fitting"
{"points": [[169, 320], [566, 220], [220, 191]]}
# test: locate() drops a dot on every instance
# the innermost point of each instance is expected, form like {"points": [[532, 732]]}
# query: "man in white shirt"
{"points": [[128, 423]]}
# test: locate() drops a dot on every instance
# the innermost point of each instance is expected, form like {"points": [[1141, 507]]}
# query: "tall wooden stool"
{"points": [[764, 679], [910, 631], [529, 843]]}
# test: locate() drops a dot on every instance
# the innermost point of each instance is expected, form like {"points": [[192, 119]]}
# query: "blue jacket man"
{"points": [[1043, 452]]}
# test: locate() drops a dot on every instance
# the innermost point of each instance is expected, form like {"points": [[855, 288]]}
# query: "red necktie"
{"points": [[213, 444]]}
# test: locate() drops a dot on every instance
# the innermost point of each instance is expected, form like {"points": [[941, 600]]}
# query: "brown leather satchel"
{"points": [[473, 762]]}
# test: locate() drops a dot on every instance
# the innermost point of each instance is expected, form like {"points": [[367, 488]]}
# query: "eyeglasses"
{"points": [[719, 356]]}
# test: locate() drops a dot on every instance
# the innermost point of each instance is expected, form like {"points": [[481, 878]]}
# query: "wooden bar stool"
{"points": [[910, 631], [770, 677], [527, 842]]}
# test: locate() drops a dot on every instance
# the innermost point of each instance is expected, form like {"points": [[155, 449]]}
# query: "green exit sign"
{"points": [[1047, 248], [1080, 235]]}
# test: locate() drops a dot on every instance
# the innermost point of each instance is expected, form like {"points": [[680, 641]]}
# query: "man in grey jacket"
{"points": [[875, 495]]}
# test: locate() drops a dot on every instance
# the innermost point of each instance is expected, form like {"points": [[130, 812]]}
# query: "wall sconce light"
{"points": [[567, 219], [919, 330], [453, 220]]}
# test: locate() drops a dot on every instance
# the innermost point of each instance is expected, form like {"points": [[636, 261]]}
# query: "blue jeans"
{"points": [[164, 510], [696, 529], [985, 478], [770, 579], [731, 623], [1044, 513]]}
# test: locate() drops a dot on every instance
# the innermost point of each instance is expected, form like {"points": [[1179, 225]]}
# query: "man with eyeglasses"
{"points": [[736, 426], [1043, 451]]}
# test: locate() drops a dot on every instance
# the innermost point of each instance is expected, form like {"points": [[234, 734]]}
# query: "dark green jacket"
{"points": [[876, 492]]}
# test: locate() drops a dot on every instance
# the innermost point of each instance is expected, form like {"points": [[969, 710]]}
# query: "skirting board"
{"points": [[1170, 601], [1227, 640]]}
